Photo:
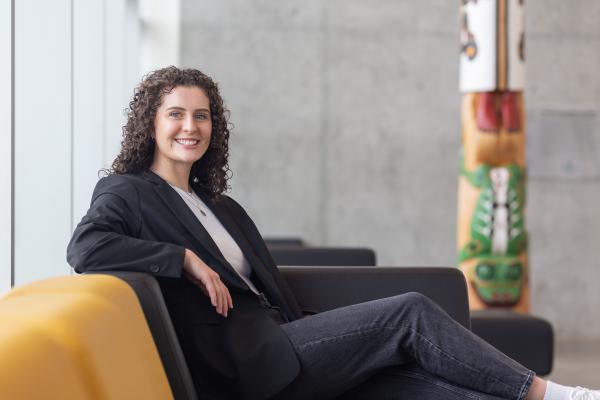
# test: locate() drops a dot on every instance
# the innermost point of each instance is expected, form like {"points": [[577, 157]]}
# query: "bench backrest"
{"points": [[323, 256]]}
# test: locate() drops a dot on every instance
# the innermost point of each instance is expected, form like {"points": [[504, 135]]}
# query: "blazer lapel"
{"points": [[231, 227], [242, 241], [183, 213]]}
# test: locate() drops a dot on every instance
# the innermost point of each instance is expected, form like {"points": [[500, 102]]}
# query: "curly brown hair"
{"points": [[210, 173]]}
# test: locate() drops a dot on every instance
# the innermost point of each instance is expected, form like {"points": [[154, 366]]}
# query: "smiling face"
{"points": [[182, 129]]}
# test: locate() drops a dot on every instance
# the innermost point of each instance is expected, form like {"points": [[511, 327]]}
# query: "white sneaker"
{"points": [[580, 393]]}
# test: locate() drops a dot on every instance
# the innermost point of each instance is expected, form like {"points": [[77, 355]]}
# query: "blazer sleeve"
{"points": [[108, 236]]}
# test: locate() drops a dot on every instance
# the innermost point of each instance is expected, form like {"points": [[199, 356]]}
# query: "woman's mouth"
{"points": [[187, 142]]}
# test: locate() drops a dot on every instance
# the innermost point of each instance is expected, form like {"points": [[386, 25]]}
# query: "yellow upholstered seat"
{"points": [[90, 337], [34, 366]]}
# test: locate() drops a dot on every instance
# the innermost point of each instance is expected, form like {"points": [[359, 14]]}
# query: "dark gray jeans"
{"points": [[401, 347]]}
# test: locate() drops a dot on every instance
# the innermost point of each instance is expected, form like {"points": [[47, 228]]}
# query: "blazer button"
{"points": [[154, 268]]}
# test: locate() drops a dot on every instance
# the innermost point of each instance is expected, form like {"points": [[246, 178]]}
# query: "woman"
{"points": [[162, 210]]}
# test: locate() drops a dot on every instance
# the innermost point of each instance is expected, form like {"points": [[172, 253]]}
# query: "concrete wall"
{"points": [[563, 99], [347, 125]]}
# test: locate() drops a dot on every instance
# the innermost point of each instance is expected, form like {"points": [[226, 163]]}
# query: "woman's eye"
{"points": [[175, 114], [201, 117]]}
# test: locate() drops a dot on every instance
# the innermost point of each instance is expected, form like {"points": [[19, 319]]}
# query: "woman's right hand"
{"points": [[209, 281]]}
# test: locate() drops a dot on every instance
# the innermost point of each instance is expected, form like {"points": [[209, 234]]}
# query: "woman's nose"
{"points": [[189, 124]]}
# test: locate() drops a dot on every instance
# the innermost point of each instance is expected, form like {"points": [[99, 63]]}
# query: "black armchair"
{"points": [[316, 288]]}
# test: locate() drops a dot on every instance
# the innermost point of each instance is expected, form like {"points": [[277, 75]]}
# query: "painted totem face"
{"points": [[497, 280]]}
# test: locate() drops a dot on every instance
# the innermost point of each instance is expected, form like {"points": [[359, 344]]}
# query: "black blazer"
{"points": [[139, 223]]}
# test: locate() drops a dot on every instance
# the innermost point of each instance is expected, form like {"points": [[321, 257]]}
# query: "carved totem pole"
{"points": [[492, 241]]}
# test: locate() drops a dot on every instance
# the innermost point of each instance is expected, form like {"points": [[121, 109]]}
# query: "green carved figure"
{"points": [[498, 239]]}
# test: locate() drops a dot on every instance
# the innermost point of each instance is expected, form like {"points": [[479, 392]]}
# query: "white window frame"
{"points": [[6, 143]]}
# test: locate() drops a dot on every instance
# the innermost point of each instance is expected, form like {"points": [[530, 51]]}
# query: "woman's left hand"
{"points": [[209, 281]]}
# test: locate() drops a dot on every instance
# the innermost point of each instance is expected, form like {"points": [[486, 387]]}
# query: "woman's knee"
{"points": [[404, 307], [416, 300]]}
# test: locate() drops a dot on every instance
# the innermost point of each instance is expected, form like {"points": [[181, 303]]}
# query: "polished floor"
{"points": [[577, 363]]}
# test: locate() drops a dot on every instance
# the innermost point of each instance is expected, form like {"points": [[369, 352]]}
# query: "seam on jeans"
{"points": [[526, 385], [348, 334], [466, 392], [473, 369], [419, 334]]}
